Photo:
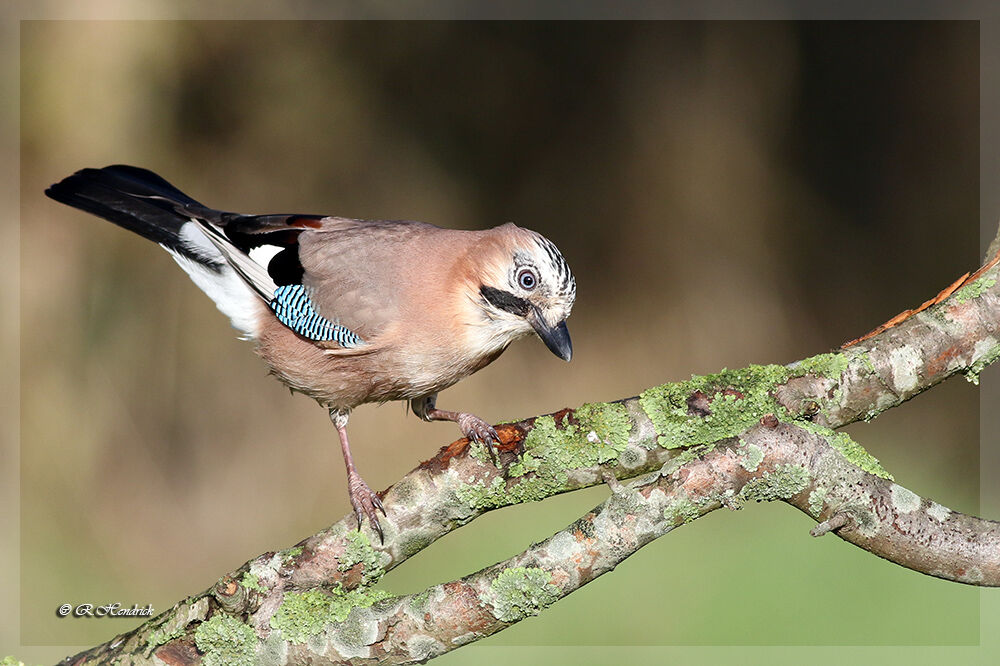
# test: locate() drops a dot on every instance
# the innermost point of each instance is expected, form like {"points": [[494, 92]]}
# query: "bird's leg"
{"points": [[471, 425], [363, 499]]}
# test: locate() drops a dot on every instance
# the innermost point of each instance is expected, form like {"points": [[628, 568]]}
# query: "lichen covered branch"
{"points": [[757, 433]]}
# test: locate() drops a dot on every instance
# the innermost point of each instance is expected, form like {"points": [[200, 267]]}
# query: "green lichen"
{"points": [[174, 624], [226, 641], [676, 425], [785, 481], [737, 399], [753, 456], [519, 592], [359, 551], [817, 499], [11, 661], [610, 425], [419, 601], [866, 359], [252, 582], [730, 402], [857, 455], [683, 458], [681, 510], [303, 615], [481, 496], [830, 365], [974, 289], [851, 450], [517, 469], [160, 637], [290, 554], [595, 434]]}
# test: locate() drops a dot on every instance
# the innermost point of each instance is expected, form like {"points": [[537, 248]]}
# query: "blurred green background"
{"points": [[727, 193]]}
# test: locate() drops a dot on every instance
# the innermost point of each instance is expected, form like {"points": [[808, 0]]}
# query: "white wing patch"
{"points": [[255, 275], [221, 281], [264, 254]]}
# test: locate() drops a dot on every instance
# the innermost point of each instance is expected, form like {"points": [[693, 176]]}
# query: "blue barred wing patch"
{"points": [[293, 308]]}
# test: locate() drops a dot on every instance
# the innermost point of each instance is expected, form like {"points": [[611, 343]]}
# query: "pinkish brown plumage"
{"points": [[352, 311]]}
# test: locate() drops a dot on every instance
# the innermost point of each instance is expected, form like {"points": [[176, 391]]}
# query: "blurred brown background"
{"points": [[727, 193]]}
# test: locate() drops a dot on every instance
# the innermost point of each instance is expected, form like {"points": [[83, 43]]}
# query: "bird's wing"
{"points": [[357, 271], [335, 281]]}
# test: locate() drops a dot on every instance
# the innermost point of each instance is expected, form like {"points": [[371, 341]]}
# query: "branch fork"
{"points": [[760, 433]]}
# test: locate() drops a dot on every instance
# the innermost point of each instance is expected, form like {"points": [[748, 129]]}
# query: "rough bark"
{"points": [[758, 433]]}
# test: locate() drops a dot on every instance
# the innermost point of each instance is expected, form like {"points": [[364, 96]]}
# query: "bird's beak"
{"points": [[556, 338]]}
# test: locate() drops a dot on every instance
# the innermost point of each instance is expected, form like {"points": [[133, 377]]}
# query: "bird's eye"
{"points": [[527, 279]]}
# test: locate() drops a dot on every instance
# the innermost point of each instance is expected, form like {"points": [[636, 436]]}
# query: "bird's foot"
{"points": [[478, 430], [365, 501]]}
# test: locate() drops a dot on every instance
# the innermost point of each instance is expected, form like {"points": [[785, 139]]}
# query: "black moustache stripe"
{"points": [[506, 301]]}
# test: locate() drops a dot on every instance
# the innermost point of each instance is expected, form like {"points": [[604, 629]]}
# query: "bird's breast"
{"points": [[404, 363]]}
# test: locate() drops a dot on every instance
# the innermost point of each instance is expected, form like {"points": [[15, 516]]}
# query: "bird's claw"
{"points": [[365, 501], [481, 432]]}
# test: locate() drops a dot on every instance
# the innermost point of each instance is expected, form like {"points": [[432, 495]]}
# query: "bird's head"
{"points": [[526, 285]]}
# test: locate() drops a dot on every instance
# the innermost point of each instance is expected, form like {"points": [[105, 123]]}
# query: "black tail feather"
{"points": [[135, 199]]}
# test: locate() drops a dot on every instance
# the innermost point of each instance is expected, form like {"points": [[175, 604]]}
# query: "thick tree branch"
{"points": [[753, 433], [779, 461]]}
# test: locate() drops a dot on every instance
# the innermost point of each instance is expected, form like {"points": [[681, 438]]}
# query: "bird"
{"points": [[350, 311]]}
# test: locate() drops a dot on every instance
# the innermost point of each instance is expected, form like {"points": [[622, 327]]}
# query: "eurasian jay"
{"points": [[352, 311]]}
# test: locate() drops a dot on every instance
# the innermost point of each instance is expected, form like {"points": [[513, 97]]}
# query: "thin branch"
{"points": [[323, 585]]}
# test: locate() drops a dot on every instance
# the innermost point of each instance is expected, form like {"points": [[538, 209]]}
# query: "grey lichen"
{"points": [[421, 648], [681, 510], [904, 500], [274, 650], [817, 498], [985, 353], [519, 592], [412, 542], [938, 512], [226, 641], [418, 602], [352, 637]]}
